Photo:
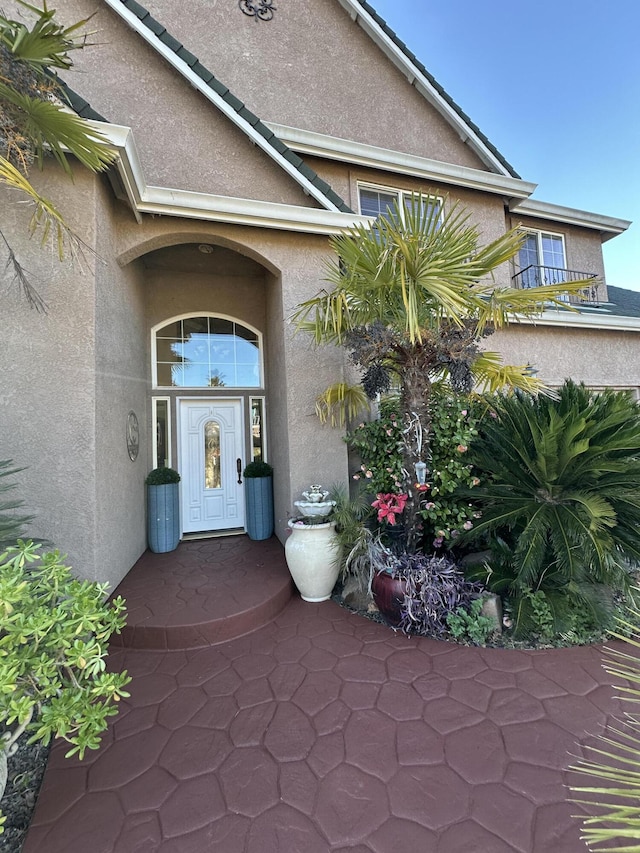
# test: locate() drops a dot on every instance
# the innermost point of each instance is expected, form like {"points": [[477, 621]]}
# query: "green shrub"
{"points": [[162, 476], [54, 631], [443, 511], [257, 468], [560, 502], [470, 625]]}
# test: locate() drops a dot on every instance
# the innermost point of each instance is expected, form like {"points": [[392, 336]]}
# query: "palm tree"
{"points": [[413, 296], [35, 123]]}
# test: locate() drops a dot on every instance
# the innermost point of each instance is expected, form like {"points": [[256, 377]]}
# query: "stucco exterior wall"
{"points": [[47, 404], [184, 141], [121, 387], [310, 67], [597, 357]]}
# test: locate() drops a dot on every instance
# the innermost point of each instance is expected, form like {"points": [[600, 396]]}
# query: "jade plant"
{"points": [[54, 632]]}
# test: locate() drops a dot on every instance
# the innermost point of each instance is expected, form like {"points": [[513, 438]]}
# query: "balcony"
{"points": [[535, 276]]}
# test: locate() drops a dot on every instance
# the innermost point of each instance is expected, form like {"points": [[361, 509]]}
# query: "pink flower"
{"points": [[438, 542], [468, 525], [356, 477], [464, 413], [389, 505], [493, 414], [389, 432], [462, 448], [429, 505], [368, 474]]}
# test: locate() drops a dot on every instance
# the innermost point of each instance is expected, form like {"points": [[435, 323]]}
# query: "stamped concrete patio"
{"points": [[318, 730]]}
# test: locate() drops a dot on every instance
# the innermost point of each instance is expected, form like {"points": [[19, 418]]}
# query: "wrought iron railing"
{"points": [[535, 276]]}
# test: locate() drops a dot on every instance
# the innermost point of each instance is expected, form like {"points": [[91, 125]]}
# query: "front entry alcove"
{"points": [[212, 318]]}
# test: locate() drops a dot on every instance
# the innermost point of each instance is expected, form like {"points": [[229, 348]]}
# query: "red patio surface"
{"points": [[323, 731]]}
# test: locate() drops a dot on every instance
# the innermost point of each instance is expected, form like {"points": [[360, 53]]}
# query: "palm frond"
{"points": [[341, 402], [46, 44], [51, 128], [616, 760]]}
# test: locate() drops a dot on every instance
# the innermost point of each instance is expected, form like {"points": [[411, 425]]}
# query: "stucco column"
{"points": [[315, 453]]}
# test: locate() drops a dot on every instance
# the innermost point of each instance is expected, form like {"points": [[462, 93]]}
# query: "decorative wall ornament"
{"points": [[133, 436], [261, 10]]}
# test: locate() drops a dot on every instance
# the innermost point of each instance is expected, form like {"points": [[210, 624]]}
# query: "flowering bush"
{"points": [[453, 428], [389, 505], [379, 444]]}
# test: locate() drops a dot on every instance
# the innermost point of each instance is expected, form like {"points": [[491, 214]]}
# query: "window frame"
{"points": [[154, 430], [539, 233], [223, 389], [400, 194]]}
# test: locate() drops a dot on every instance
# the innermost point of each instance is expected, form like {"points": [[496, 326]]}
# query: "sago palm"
{"points": [[36, 123], [559, 495], [412, 298]]}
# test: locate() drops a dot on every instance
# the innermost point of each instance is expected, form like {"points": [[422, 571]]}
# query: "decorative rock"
{"points": [[492, 608]]}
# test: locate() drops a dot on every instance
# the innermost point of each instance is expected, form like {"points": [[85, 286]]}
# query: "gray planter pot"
{"points": [[163, 517], [258, 493]]}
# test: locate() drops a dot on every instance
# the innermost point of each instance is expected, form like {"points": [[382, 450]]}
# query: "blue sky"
{"points": [[555, 85]]}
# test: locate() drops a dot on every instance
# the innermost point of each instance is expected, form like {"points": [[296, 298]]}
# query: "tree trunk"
{"points": [[416, 392]]}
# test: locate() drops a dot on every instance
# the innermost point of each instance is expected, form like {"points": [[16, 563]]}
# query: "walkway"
{"points": [[322, 731]]}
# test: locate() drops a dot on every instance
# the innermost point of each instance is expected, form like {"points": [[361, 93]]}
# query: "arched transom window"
{"points": [[207, 352]]}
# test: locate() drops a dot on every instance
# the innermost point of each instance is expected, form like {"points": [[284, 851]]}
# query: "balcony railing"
{"points": [[535, 276]]}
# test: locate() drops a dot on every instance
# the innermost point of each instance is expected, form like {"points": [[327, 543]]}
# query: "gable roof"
{"points": [[171, 49], [397, 51], [624, 303], [156, 35]]}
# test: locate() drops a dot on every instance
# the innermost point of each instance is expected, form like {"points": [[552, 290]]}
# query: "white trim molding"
{"points": [[385, 159], [579, 320], [609, 226], [186, 204]]}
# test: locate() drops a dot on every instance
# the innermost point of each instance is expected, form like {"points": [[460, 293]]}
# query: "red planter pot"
{"points": [[388, 594]]}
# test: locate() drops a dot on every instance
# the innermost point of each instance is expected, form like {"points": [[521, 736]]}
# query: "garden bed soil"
{"points": [[26, 769]]}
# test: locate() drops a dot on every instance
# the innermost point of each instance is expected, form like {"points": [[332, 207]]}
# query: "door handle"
{"points": [[239, 470]]}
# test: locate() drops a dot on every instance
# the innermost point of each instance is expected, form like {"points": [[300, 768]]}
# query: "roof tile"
{"points": [[187, 57], [138, 10], [171, 42], [153, 25]]}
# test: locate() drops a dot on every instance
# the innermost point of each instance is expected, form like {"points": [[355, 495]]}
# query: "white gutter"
{"points": [[417, 79], [578, 320], [166, 201], [608, 225], [218, 101], [373, 157]]}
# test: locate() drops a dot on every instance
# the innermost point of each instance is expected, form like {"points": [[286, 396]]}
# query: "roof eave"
{"points": [[608, 226]]}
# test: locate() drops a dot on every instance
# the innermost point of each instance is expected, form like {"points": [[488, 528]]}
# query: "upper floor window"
{"points": [[207, 352], [375, 201], [541, 259]]}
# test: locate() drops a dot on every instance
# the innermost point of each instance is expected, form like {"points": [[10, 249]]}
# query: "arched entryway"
{"points": [[208, 326]]}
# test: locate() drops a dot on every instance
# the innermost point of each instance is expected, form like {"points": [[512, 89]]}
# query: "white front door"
{"points": [[211, 442]]}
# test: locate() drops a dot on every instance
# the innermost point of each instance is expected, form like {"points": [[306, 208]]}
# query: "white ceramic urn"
{"points": [[313, 557]]}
